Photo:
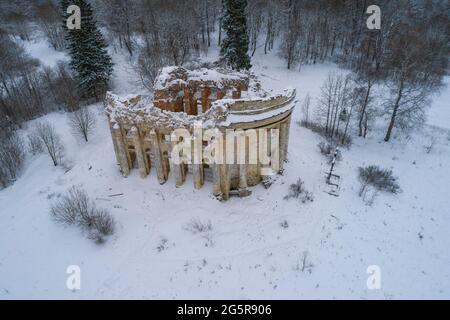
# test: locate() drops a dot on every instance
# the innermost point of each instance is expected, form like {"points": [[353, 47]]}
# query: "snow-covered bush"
{"points": [[267, 181], [378, 178], [284, 224], [304, 264], [162, 245], [67, 209], [96, 236], [35, 145], [197, 226], [209, 242], [313, 126], [12, 157], [103, 222], [339, 139], [76, 208], [297, 190], [328, 151]]}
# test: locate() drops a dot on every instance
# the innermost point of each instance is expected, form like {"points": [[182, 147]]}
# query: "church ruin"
{"points": [[144, 129]]}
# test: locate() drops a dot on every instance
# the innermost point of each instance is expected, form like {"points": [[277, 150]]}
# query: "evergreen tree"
{"points": [[87, 49], [234, 49]]}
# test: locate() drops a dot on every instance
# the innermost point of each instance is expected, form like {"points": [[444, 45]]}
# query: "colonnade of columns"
{"points": [[150, 149]]}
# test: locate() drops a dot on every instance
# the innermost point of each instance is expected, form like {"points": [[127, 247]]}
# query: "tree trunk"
{"points": [[364, 107], [347, 124], [394, 113], [220, 31], [366, 126]]}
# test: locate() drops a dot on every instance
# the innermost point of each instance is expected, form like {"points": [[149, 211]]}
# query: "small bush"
{"points": [[298, 191], [104, 222], [209, 242], [35, 145], [380, 179], [338, 139], [76, 208], [313, 126], [284, 224], [64, 211], [304, 264], [163, 245], [96, 236], [197, 226], [328, 151], [267, 181]]}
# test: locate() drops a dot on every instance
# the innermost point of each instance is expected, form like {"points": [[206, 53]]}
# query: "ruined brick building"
{"points": [[142, 128]]}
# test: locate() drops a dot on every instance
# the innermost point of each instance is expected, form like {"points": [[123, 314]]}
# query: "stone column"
{"points": [[157, 156], [224, 181], [121, 150], [217, 190], [197, 162], [114, 140], [275, 159], [243, 190], [242, 176], [177, 162], [187, 101], [180, 173], [242, 154], [140, 156], [205, 94], [284, 139]]}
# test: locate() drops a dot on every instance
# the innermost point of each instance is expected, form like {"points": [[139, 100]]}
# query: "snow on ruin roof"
{"points": [[138, 109], [169, 76]]}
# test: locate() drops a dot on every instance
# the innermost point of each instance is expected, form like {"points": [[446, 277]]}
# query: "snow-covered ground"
{"points": [[41, 50], [249, 255]]}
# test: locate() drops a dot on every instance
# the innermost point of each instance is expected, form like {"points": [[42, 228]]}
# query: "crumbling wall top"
{"points": [[219, 78], [138, 110]]}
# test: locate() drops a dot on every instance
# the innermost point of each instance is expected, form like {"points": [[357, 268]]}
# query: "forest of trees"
{"points": [[409, 54]]}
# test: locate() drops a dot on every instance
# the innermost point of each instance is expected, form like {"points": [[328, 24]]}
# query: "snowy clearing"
{"points": [[248, 254]]}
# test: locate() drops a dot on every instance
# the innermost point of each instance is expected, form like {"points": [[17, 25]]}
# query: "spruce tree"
{"points": [[87, 49], [234, 49]]}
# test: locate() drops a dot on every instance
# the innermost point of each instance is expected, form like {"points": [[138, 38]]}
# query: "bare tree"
{"points": [[172, 33], [12, 157], [119, 16], [82, 122], [289, 50], [305, 110], [334, 104], [48, 18], [271, 13], [416, 64], [364, 100], [51, 141], [65, 87]]}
